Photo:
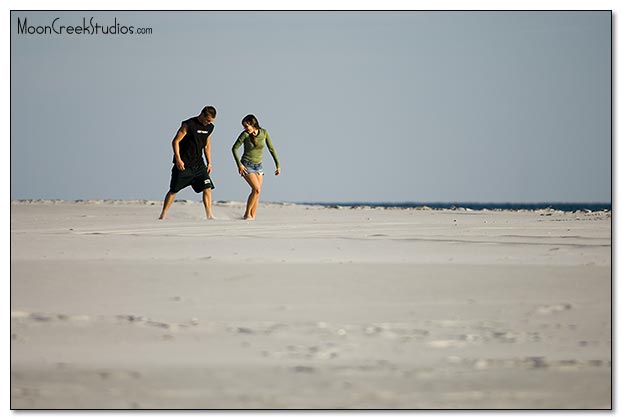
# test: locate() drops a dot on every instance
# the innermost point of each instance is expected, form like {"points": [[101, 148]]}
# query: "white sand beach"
{"points": [[308, 307]]}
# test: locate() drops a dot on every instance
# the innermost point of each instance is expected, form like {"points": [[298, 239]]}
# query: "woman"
{"points": [[250, 167]]}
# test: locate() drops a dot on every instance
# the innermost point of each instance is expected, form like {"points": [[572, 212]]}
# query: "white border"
{"points": [[312, 5]]}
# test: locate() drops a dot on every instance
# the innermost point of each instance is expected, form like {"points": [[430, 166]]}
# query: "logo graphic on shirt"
{"points": [[202, 132]]}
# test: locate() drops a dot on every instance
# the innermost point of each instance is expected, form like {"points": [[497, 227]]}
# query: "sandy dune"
{"points": [[308, 307]]}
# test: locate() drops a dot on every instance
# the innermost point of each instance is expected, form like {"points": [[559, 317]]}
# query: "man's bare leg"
{"points": [[168, 200], [207, 203]]}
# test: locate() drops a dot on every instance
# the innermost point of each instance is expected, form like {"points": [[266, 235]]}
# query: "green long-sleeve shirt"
{"points": [[254, 154]]}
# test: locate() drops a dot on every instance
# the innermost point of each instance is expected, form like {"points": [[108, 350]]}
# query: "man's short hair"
{"points": [[209, 110]]}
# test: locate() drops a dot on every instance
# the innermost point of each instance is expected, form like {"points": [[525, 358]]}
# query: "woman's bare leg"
{"points": [[254, 206], [255, 184]]}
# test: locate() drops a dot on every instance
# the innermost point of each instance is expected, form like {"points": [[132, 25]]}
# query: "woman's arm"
{"points": [[234, 149], [273, 153]]}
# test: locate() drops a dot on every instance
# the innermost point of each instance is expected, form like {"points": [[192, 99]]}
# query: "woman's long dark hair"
{"points": [[251, 120]]}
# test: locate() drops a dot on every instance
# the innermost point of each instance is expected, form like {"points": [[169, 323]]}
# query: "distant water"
{"points": [[476, 206]]}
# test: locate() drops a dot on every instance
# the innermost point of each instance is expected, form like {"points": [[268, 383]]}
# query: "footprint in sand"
{"points": [[46, 317], [551, 309], [445, 344]]}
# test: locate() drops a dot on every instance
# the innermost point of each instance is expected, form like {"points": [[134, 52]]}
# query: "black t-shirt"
{"points": [[192, 145]]}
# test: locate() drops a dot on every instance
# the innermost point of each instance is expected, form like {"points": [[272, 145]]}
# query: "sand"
{"points": [[308, 307]]}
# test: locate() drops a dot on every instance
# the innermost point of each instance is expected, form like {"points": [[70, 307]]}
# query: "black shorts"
{"points": [[196, 176]]}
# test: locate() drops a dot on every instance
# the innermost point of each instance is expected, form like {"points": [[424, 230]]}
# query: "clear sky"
{"points": [[362, 106]]}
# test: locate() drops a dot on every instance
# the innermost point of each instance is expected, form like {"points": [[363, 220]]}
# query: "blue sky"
{"points": [[362, 106]]}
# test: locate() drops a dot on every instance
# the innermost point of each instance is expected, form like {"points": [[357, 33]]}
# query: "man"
{"points": [[190, 142]]}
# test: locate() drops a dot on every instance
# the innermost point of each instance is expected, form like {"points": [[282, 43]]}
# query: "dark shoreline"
{"points": [[458, 206], [565, 207]]}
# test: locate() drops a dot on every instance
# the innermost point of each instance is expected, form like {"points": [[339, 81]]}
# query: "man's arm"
{"points": [[208, 153], [181, 133]]}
